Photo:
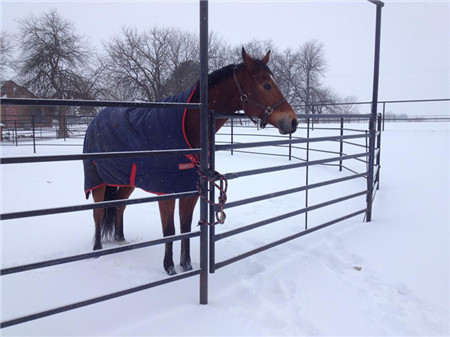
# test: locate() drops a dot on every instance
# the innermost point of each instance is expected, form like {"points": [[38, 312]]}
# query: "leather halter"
{"points": [[268, 109]]}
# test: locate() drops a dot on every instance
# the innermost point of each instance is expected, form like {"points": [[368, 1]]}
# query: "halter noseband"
{"points": [[268, 109]]}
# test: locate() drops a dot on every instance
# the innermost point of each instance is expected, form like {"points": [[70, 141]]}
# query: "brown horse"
{"points": [[247, 86]]}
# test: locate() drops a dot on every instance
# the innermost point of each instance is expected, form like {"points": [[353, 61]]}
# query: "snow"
{"points": [[387, 277]]}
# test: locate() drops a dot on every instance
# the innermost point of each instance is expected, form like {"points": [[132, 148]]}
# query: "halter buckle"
{"points": [[244, 98], [268, 111]]}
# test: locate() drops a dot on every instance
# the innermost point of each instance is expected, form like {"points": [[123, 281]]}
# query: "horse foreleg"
{"points": [[98, 194], [186, 207], [123, 193], [166, 210]]}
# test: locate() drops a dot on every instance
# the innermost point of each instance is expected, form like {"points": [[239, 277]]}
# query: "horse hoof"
{"points": [[98, 246], [186, 266], [119, 239], [171, 271]]}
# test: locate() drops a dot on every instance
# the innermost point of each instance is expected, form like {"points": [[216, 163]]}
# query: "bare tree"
{"points": [[349, 107], [140, 62], [256, 48], [312, 66], [220, 53], [6, 55], [52, 55], [184, 62], [159, 62], [287, 72]]}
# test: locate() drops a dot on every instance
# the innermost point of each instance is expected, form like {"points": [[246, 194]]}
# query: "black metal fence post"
{"points": [[376, 72], [15, 133], [290, 147], [212, 196], [341, 144], [378, 159], [232, 134], [33, 125], [65, 124], [307, 173], [204, 146]]}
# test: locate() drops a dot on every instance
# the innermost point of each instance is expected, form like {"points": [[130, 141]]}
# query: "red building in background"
{"points": [[19, 115]]}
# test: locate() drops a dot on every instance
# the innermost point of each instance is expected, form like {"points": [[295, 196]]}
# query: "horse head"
{"points": [[261, 97]]}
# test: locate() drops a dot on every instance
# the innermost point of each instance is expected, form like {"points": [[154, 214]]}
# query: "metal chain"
{"points": [[221, 183]]}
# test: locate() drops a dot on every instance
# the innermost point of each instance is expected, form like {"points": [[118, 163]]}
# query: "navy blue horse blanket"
{"points": [[141, 129]]}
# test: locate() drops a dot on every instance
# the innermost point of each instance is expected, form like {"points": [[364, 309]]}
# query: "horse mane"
{"points": [[220, 75]]}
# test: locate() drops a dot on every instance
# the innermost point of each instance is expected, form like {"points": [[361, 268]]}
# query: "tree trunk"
{"points": [[62, 131]]}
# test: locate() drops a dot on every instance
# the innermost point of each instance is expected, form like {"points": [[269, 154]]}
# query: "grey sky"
{"points": [[415, 35]]}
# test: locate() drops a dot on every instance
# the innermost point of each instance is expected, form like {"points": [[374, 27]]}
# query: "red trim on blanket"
{"points": [[186, 166], [192, 158], [133, 175]]}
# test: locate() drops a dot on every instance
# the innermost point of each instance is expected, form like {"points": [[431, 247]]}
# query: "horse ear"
{"points": [[265, 59], [248, 60]]}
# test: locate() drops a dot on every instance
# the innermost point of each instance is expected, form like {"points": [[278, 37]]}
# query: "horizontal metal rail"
{"points": [[355, 144], [303, 116], [264, 153], [99, 299], [291, 191], [312, 149], [93, 103], [96, 254], [334, 116], [103, 204], [379, 102], [286, 216], [287, 141], [287, 239], [234, 175], [349, 169], [98, 155]]}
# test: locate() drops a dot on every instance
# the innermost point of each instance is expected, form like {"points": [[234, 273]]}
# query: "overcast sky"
{"points": [[415, 38]]}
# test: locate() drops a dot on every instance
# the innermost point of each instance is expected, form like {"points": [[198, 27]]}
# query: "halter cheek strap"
{"points": [[268, 109]]}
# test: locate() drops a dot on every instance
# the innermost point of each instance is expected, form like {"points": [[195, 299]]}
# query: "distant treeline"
{"points": [[54, 61]]}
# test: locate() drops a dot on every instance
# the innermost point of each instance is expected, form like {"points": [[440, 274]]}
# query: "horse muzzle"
{"points": [[287, 125]]}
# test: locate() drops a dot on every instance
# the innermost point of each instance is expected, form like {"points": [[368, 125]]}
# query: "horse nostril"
{"points": [[294, 125]]}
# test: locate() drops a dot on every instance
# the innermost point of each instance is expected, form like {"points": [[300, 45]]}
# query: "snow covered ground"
{"points": [[387, 277]]}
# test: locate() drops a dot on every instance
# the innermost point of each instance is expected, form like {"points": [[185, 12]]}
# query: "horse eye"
{"points": [[267, 86]]}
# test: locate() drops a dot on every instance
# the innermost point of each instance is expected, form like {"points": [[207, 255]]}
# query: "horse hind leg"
{"points": [[123, 193], [186, 209], [166, 210], [98, 194]]}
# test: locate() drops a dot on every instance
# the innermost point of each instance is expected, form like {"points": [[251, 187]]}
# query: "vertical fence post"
{"points": [[33, 125], [212, 208], [378, 159], [15, 133], [290, 147], [65, 123], [204, 152], [232, 134], [376, 72], [384, 113], [341, 144], [307, 174]]}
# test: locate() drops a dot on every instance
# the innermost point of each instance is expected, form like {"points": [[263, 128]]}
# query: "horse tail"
{"points": [[109, 216]]}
